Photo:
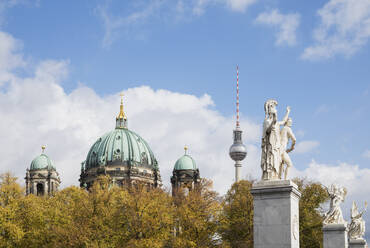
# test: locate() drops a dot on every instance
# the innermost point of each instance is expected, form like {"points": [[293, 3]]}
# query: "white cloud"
{"points": [[199, 6], [343, 30], [286, 25], [36, 110], [239, 5], [354, 178], [9, 56], [366, 154], [306, 146]]}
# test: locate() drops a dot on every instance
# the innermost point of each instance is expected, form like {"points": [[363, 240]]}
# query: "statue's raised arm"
{"points": [[286, 116]]}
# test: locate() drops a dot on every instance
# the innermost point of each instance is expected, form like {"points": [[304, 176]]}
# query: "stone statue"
{"points": [[286, 133], [356, 229], [334, 215], [271, 141]]}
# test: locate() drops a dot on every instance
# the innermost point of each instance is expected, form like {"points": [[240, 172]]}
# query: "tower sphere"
{"points": [[237, 152]]}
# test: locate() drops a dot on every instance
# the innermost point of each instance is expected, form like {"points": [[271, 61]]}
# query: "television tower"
{"points": [[237, 151]]}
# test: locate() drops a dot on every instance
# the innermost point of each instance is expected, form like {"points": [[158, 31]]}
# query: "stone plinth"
{"points": [[335, 236], [276, 214], [357, 243]]}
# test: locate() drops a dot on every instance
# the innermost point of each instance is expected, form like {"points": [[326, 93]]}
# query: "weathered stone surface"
{"points": [[357, 243], [276, 214], [335, 236]]}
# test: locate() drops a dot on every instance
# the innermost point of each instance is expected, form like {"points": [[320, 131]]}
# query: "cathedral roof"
{"points": [[186, 162], [120, 146], [42, 162]]}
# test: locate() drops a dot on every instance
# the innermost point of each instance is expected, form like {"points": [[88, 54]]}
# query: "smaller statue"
{"points": [[334, 215], [356, 229], [286, 133]]}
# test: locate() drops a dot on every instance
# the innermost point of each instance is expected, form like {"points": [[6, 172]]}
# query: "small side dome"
{"points": [[42, 162], [186, 162]]}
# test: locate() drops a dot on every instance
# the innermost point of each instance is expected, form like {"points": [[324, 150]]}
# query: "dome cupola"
{"points": [[186, 162], [42, 162]]}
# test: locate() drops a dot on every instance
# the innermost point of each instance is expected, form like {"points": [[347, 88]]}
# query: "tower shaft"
{"points": [[238, 165], [237, 151]]}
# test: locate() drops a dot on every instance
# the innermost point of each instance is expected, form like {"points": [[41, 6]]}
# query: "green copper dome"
{"points": [[42, 162], [119, 147], [186, 162]]}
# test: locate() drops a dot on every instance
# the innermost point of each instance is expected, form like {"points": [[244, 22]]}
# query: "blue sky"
{"points": [[197, 53], [311, 55]]}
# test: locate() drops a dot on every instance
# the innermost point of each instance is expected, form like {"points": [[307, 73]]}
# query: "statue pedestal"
{"points": [[335, 236], [357, 243], [276, 214]]}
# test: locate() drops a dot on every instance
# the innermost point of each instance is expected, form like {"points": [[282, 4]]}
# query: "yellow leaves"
{"points": [[197, 217], [139, 217], [10, 190]]}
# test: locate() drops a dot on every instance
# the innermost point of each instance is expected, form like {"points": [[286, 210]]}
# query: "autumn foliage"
{"points": [[111, 216]]}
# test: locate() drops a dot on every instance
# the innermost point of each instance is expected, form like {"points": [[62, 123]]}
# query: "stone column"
{"points": [[357, 243], [276, 214], [34, 188], [335, 236], [27, 187], [46, 188]]}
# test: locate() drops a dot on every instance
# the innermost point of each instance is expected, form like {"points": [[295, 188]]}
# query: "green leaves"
{"points": [[310, 221], [236, 220]]}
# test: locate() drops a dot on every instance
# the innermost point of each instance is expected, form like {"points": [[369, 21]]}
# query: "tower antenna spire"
{"points": [[237, 96], [237, 151]]}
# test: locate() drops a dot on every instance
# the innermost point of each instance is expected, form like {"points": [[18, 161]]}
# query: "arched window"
{"points": [[40, 189]]}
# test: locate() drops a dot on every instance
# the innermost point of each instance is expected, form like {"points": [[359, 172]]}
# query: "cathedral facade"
{"points": [[121, 154]]}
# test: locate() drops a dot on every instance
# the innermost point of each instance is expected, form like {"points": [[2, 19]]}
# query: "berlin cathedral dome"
{"points": [[123, 155]]}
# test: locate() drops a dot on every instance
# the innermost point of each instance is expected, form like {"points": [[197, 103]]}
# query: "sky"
{"points": [[63, 65]]}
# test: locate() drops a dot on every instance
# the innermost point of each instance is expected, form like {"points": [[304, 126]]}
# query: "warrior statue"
{"points": [[334, 215], [356, 229], [271, 141], [286, 133]]}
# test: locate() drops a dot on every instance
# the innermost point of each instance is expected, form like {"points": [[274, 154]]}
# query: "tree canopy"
{"points": [[138, 216]]}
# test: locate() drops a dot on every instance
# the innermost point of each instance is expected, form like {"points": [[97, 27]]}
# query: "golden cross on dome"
{"points": [[186, 149], [43, 148], [121, 112]]}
